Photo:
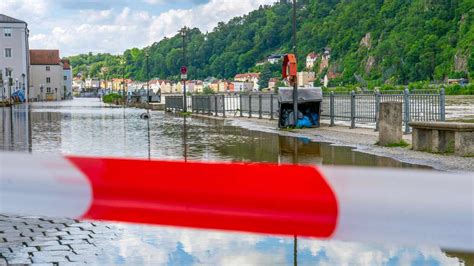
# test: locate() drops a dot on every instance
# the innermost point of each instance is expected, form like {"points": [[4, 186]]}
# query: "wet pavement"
{"points": [[87, 127]]}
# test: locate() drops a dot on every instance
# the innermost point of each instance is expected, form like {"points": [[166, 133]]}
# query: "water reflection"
{"points": [[87, 127], [15, 131]]}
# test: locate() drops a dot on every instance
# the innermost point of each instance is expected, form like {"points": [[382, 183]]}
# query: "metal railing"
{"points": [[349, 107], [174, 103]]}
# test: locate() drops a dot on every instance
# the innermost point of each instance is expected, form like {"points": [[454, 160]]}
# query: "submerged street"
{"points": [[89, 127]]}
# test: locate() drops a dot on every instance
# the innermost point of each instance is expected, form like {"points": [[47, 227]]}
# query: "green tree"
{"points": [[265, 76], [404, 41]]}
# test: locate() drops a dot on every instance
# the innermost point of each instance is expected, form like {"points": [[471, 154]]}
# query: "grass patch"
{"points": [[402, 144], [185, 113], [113, 98]]}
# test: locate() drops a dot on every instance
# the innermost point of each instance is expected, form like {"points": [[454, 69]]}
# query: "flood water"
{"points": [[87, 127]]}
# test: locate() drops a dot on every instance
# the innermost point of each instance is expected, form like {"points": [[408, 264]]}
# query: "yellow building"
{"points": [[214, 86], [223, 86], [165, 86], [198, 86], [177, 88]]}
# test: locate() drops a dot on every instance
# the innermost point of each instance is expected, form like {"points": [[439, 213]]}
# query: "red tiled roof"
{"points": [[44, 57]]}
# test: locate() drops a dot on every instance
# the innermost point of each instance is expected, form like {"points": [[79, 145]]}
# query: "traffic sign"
{"points": [[184, 70], [184, 76]]}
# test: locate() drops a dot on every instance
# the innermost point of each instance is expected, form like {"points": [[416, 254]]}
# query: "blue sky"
{"points": [[81, 26]]}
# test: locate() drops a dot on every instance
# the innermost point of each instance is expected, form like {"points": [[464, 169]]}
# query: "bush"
{"points": [[207, 91], [459, 90], [419, 85], [112, 98]]}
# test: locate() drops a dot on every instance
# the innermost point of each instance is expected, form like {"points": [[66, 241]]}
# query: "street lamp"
{"points": [[295, 85], [123, 79], [183, 33], [24, 87], [147, 79], [41, 92]]}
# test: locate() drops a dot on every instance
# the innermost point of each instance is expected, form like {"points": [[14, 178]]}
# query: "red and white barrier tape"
{"points": [[353, 204]]}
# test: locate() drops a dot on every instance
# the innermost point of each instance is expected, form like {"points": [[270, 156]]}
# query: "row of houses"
{"points": [[246, 82], [37, 74]]}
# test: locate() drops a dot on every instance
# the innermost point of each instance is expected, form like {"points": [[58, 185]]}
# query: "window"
{"points": [[48, 80], [8, 52], [48, 90], [48, 68], [7, 32], [65, 77], [8, 72]]}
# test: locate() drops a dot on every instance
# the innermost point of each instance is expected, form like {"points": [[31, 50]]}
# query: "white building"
{"points": [[274, 58], [78, 85], [92, 83], [47, 76], [155, 85], [14, 56], [311, 59], [249, 77], [67, 76], [241, 86]]}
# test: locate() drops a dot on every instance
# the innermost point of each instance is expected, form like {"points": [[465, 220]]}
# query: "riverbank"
{"points": [[361, 139]]}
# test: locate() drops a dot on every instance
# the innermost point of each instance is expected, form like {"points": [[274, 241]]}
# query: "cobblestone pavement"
{"points": [[42, 241]]}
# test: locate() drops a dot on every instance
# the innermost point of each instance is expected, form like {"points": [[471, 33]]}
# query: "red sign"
{"points": [[184, 70]]}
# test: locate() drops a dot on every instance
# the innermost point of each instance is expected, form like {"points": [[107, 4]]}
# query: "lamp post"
{"points": [[295, 85], [10, 84], [147, 79], [41, 92], [183, 33], [123, 79], [23, 75]]}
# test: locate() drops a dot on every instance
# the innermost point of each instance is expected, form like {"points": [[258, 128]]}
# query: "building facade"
{"points": [[249, 77], [47, 76], [92, 83], [67, 77], [311, 59], [306, 79], [78, 85], [14, 56]]}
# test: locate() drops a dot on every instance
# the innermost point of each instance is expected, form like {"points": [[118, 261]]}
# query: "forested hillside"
{"points": [[384, 42]]}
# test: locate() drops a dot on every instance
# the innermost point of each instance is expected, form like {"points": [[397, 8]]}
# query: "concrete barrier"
{"points": [[390, 123], [444, 137]]}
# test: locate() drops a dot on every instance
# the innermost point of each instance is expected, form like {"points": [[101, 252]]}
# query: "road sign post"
{"points": [[184, 77]]}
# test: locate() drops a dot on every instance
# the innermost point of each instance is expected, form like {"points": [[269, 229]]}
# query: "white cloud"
{"points": [[118, 28], [149, 245], [205, 16], [35, 9]]}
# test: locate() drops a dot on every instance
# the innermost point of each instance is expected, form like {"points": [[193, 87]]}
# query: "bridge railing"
{"points": [[346, 108]]}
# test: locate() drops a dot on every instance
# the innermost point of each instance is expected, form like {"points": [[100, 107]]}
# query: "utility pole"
{"points": [[123, 80], [183, 69], [10, 84], [147, 79], [295, 85]]}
